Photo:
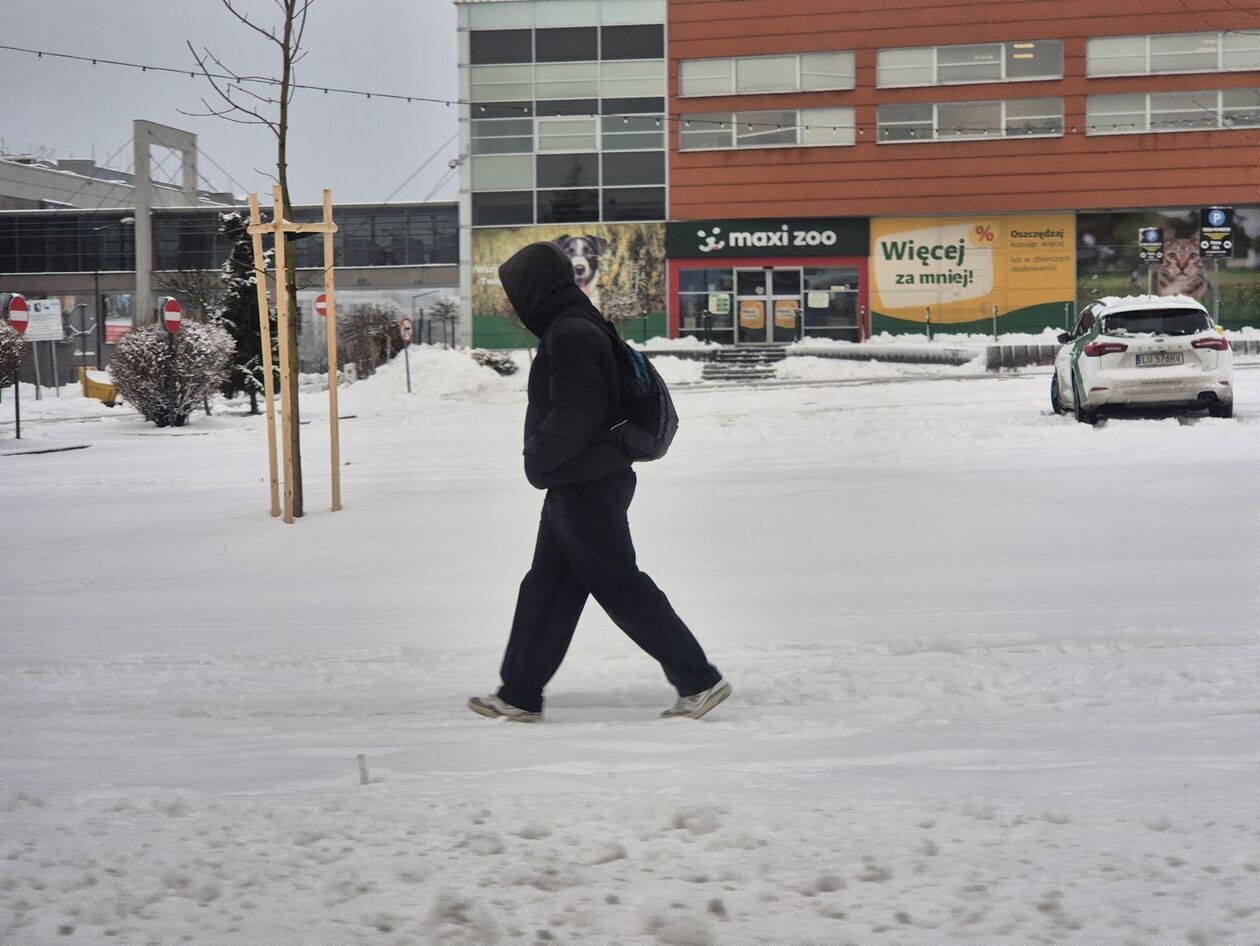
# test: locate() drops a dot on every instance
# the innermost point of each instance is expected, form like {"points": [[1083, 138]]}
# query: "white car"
{"points": [[1144, 352]]}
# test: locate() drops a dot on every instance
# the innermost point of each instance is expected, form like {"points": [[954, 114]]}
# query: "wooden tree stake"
{"points": [[264, 328], [279, 227]]}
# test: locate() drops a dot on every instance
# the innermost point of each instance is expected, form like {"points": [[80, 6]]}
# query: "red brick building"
{"points": [[949, 127]]}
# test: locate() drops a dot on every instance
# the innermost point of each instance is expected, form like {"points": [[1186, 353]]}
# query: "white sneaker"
{"points": [[494, 707], [696, 705]]}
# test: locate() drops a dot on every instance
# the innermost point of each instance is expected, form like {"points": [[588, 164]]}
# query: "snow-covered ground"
{"points": [[995, 677]]}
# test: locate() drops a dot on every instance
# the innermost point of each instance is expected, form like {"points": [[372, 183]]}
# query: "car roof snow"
{"points": [[1128, 303]]}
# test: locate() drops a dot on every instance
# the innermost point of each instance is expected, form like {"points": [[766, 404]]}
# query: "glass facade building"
{"points": [[566, 111], [191, 239]]}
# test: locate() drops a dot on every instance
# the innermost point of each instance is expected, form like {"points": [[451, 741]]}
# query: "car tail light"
{"points": [[1218, 343], [1098, 349]]}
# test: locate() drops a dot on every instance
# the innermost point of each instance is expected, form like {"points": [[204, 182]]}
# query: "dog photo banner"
{"points": [[621, 266]]}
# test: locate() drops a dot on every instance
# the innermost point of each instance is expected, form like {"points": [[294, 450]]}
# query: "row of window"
{"points": [[1138, 113], [1135, 113], [572, 205], [566, 44], [591, 169], [192, 240], [778, 128], [1015, 61], [748, 75], [505, 131], [572, 80]]}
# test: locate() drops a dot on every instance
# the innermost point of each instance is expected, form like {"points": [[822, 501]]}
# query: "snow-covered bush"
{"points": [[500, 361], [141, 369], [11, 345]]}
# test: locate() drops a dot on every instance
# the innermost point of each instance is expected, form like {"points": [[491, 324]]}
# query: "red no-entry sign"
{"points": [[172, 314], [404, 330], [321, 305], [19, 315]]}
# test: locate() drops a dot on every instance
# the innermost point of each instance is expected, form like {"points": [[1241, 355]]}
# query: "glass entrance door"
{"points": [[768, 305]]}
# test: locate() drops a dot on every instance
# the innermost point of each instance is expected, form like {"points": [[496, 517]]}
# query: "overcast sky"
{"points": [[362, 149]]}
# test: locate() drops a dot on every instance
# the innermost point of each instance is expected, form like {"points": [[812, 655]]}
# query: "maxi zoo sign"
{"points": [[804, 237]]}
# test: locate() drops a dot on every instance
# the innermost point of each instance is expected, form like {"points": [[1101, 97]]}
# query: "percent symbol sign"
{"points": [[984, 234]]}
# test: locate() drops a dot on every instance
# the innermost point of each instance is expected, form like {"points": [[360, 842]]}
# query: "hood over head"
{"points": [[539, 283]]}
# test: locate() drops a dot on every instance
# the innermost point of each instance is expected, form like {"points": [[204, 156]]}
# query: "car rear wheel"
{"points": [[1221, 410], [1082, 414], [1056, 402]]}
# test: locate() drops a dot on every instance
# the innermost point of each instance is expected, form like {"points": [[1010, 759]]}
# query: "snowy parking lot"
{"points": [[995, 676]]}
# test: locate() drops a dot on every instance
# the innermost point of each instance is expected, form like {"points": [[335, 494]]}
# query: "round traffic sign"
{"points": [[19, 316], [172, 314], [404, 329], [321, 305]]}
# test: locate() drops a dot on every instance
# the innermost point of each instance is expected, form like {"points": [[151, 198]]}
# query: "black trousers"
{"points": [[584, 548]]}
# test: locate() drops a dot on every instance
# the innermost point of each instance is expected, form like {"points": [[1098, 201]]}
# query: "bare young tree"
{"points": [[243, 103], [199, 291]]}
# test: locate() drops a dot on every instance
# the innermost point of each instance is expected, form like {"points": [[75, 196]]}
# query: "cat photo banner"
{"points": [[1109, 263]]}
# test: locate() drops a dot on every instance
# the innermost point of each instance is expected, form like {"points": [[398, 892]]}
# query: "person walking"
{"points": [[574, 450]]}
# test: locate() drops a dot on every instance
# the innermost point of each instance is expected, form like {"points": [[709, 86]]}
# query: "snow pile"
{"points": [[809, 368], [959, 715]]}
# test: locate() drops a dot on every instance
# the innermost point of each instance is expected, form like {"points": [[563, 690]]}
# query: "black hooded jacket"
{"points": [[571, 433]]}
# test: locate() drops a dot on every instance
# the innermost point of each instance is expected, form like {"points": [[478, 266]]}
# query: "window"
{"points": [[575, 80], [694, 288], [632, 79], [705, 77], [501, 83], [765, 74], [575, 44], [568, 170], [634, 167], [1021, 61], [827, 126], [1240, 108], [631, 132], [568, 206], [567, 134], [1187, 52], [905, 67], [1139, 113], [706, 130], [956, 64], [905, 122], [1240, 51], [488, 47], [632, 42], [502, 208], [501, 135], [969, 120], [821, 71], [1172, 53], [751, 75], [766, 129], [501, 172], [634, 203], [759, 129], [1039, 60]]}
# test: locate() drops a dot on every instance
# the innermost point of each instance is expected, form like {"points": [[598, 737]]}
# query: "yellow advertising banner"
{"points": [[963, 267]]}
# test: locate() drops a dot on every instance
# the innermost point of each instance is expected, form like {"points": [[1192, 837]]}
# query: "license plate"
{"points": [[1161, 358]]}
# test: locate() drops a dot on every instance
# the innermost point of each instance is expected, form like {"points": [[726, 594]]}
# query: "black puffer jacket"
{"points": [[571, 424]]}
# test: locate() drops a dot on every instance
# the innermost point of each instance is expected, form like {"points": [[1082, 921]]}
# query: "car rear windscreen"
{"points": [[1156, 322]]}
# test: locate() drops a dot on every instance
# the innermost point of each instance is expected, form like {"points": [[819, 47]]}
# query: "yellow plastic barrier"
{"points": [[103, 391]]}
